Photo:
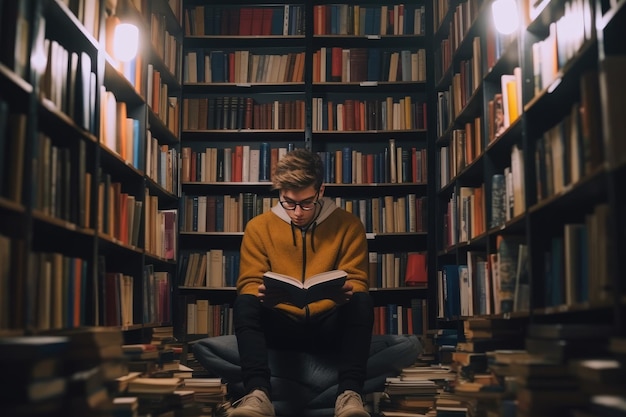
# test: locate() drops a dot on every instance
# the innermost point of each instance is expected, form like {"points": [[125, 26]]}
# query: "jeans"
{"points": [[345, 331]]}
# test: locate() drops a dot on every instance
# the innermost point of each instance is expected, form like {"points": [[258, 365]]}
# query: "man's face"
{"points": [[306, 197]]}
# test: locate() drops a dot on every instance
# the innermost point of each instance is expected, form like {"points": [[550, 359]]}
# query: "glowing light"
{"points": [[505, 16], [125, 42]]}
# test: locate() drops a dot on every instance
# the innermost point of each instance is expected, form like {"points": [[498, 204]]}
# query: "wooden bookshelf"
{"points": [[207, 87]]}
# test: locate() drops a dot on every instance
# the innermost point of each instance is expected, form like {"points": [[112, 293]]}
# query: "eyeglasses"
{"points": [[306, 205]]}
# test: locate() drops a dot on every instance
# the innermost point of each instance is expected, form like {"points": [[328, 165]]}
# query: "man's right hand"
{"points": [[271, 298]]}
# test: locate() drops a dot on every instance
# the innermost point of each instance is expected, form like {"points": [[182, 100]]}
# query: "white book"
{"points": [[245, 164], [253, 175]]}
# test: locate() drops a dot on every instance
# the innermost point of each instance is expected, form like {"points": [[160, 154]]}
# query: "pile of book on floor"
{"points": [[413, 393], [67, 373], [586, 374], [37, 383]]}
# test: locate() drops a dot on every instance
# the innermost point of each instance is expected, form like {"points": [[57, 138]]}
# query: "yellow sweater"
{"points": [[335, 240]]}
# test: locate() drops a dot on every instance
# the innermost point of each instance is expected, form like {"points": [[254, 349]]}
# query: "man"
{"points": [[303, 235]]}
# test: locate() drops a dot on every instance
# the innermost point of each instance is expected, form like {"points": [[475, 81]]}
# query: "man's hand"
{"points": [[342, 295], [272, 297]]}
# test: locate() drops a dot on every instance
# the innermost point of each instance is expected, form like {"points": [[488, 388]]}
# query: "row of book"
{"points": [[69, 82], [119, 214], [243, 163], [160, 237], [397, 319], [120, 133], [243, 67], [390, 113], [568, 151], [260, 20], [208, 319], [565, 37], [577, 267], [156, 290], [230, 213], [395, 164], [62, 181], [458, 27], [215, 268], [358, 20], [165, 44], [163, 164], [337, 64], [164, 105], [236, 113], [487, 283], [465, 215]]}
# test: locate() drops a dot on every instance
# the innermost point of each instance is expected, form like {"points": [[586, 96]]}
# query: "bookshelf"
{"points": [[224, 117], [527, 202], [81, 194]]}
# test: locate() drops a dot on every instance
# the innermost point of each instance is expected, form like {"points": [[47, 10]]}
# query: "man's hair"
{"points": [[298, 169]]}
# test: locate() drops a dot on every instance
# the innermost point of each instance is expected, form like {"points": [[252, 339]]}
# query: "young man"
{"points": [[303, 235]]}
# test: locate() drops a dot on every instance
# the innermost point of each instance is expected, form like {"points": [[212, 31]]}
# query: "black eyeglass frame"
{"points": [[300, 203]]}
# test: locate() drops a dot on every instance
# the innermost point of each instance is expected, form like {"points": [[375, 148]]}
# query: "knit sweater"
{"points": [[334, 240]]}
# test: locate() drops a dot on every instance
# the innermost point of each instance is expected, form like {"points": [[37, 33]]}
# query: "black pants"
{"points": [[346, 331]]}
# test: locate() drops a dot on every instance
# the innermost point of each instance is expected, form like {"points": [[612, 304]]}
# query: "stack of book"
{"points": [[545, 385], [414, 391], [34, 366], [603, 379]]}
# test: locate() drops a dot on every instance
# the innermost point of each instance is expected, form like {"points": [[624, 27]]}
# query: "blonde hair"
{"points": [[298, 169]]}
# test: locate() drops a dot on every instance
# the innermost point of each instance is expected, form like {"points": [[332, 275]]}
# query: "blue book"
{"points": [[218, 62], [327, 167], [264, 161], [452, 305], [137, 154], [334, 19], [346, 165], [376, 23], [278, 14], [369, 21], [392, 319], [373, 64]]}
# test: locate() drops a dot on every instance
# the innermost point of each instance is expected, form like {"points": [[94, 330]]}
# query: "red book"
{"points": [[266, 26], [257, 21], [238, 163], [335, 69], [318, 16], [248, 113], [231, 67], [415, 269], [273, 160], [414, 157], [369, 168], [245, 21], [349, 114]]}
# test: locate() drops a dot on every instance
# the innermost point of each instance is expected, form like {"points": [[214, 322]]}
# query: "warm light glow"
{"points": [[125, 42], [505, 16]]}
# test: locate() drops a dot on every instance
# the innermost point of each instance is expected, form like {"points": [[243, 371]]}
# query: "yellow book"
{"points": [[511, 89]]}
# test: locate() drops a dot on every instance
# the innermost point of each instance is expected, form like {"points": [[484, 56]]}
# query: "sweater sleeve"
{"points": [[253, 261], [354, 257]]}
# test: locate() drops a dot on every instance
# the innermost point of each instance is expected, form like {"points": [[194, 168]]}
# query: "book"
{"points": [[313, 288]]}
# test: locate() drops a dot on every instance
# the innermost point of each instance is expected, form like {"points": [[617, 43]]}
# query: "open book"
{"points": [[302, 293]]}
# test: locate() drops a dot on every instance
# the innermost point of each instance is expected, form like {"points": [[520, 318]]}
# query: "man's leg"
{"points": [[356, 319]]}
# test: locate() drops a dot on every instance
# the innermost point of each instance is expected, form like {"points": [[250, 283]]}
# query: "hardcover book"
{"points": [[300, 293]]}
